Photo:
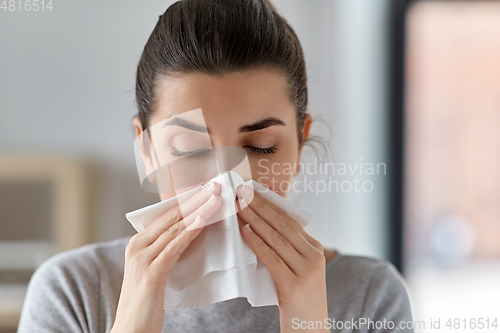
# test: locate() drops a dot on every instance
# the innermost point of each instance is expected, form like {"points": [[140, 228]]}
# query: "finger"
{"points": [[279, 270], [196, 220], [174, 215], [278, 219], [276, 241], [251, 194], [204, 212], [171, 252]]}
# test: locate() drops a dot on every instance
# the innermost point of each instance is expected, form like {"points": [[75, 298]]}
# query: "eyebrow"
{"points": [[262, 124], [265, 123], [174, 121]]}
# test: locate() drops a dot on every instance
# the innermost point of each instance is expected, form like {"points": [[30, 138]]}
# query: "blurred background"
{"points": [[410, 86]]}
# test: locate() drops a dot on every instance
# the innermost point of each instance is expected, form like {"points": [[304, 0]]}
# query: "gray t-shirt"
{"points": [[78, 291]]}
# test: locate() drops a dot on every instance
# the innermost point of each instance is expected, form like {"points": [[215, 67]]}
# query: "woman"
{"points": [[242, 64]]}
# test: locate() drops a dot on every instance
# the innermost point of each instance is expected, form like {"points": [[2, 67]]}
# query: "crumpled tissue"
{"points": [[218, 265]]}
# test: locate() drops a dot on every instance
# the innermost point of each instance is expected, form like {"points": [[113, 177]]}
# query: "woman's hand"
{"points": [[294, 259], [149, 256]]}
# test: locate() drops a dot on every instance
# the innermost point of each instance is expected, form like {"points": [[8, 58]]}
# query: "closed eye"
{"points": [[188, 154], [196, 153], [262, 151]]}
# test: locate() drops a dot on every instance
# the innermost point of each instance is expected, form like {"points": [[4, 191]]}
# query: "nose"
{"points": [[232, 158], [229, 157], [227, 151]]}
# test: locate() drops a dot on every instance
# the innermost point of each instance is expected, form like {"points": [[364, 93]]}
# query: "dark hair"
{"points": [[218, 37]]}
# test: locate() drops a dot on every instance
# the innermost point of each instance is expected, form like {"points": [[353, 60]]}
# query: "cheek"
{"points": [[273, 172], [276, 171]]}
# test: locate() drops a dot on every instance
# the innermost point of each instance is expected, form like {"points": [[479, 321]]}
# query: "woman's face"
{"points": [[251, 110]]}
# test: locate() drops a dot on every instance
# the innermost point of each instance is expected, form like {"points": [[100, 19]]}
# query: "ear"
{"points": [[146, 150], [308, 119]]}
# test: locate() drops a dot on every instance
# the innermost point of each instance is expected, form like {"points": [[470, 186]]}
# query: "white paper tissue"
{"points": [[218, 265]]}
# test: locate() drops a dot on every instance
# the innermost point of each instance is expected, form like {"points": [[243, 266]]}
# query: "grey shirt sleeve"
{"points": [[363, 293], [61, 296], [387, 302]]}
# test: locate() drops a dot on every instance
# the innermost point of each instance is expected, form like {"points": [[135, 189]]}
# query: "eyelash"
{"points": [[263, 151], [188, 154], [195, 153]]}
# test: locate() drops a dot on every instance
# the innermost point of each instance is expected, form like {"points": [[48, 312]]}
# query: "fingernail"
{"points": [[209, 187], [197, 223], [245, 194], [244, 191], [211, 200], [248, 229], [243, 203], [247, 190]]}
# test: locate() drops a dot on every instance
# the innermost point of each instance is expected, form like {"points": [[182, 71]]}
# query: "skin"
{"points": [[295, 260]]}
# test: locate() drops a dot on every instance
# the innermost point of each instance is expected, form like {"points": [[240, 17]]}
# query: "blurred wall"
{"points": [[67, 87]]}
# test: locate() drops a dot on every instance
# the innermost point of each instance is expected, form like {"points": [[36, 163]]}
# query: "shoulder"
{"points": [[73, 271], [65, 292], [84, 261], [369, 287], [362, 270], [365, 274]]}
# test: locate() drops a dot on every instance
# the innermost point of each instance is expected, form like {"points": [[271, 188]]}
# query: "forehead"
{"points": [[243, 96]]}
